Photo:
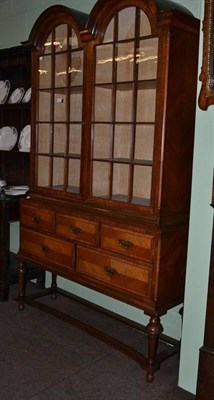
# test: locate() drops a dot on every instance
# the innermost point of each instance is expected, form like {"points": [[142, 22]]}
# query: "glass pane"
{"points": [[58, 173], [145, 27], [103, 103], [109, 33], [126, 23], [73, 40], [48, 45], [60, 41], [43, 132], [44, 102], [100, 179], [144, 142], [59, 138], [142, 184], [146, 102], [74, 176], [102, 141], [43, 171], [147, 56], [124, 97], [122, 141], [76, 68], [120, 182], [61, 76], [104, 65], [124, 59], [75, 139], [44, 72], [76, 105], [60, 105]]}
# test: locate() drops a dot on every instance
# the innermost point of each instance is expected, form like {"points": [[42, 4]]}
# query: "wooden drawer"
{"points": [[130, 243], [50, 249], [76, 228], [38, 218], [113, 271]]}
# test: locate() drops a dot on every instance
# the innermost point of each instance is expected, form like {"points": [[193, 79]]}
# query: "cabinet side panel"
{"points": [[180, 123]]}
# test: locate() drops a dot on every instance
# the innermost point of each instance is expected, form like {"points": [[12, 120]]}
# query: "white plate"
{"points": [[27, 96], [15, 190], [8, 137], [25, 139], [4, 91], [16, 96]]}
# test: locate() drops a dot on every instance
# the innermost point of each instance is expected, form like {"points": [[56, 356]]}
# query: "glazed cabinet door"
{"points": [[58, 124], [124, 108]]}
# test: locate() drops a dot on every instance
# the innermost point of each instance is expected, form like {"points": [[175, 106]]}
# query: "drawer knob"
{"points": [[125, 244], [75, 229], [36, 219], [44, 247], [110, 271]]}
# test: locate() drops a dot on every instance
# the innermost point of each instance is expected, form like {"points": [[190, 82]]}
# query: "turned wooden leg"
{"points": [[53, 287], [21, 295], [154, 329]]}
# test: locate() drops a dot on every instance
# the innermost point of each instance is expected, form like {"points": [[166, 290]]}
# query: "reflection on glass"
{"points": [[145, 27], [44, 138], [75, 71], [102, 141], [147, 55], [43, 164], [100, 179], [126, 23], [109, 33], [125, 61], [60, 40], [44, 72], [48, 44], [75, 139], [104, 65], [74, 176], [61, 76]]}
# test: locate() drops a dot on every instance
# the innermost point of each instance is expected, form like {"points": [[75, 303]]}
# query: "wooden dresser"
{"points": [[113, 111]]}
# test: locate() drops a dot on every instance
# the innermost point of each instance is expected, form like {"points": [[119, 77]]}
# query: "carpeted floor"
{"points": [[44, 358]]}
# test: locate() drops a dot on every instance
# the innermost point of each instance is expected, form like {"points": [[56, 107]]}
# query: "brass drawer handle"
{"points": [[110, 271], [44, 247], [125, 244], [36, 219], [75, 229]]}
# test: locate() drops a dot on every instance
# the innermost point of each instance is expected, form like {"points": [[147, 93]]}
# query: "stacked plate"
{"points": [[8, 137], [4, 91], [25, 139], [17, 96], [16, 190]]}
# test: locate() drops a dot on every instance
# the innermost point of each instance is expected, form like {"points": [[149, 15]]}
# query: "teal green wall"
{"points": [[16, 20]]}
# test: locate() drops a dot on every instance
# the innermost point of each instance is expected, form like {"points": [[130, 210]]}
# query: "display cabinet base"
{"points": [[148, 363]]}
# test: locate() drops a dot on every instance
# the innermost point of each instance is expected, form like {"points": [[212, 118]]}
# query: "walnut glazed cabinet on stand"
{"points": [[113, 115]]}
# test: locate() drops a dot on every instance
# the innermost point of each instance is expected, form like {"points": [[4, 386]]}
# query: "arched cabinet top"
{"points": [[54, 16], [104, 10]]}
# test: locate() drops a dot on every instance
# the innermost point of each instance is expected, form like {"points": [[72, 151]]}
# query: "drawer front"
{"points": [[46, 247], [132, 244], [113, 271], [76, 228], [38, 218]]}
